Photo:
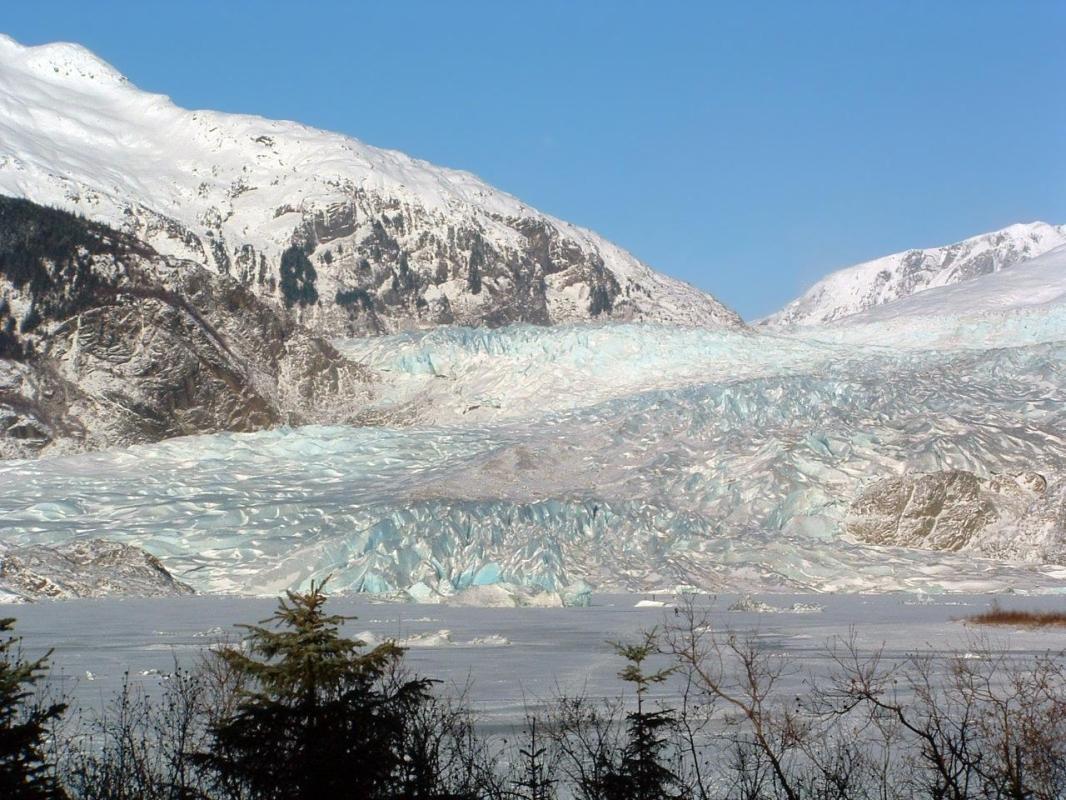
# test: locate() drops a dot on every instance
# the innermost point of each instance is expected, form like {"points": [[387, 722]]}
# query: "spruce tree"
{"points": [[534, 781], [641, 773], [24, 771], [318, 720]]}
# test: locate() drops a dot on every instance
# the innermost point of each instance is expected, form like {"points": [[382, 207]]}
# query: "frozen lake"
{"points": [[512, 656]]}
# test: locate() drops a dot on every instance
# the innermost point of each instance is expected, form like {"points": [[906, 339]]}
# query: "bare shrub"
{"points": [[1019, 618], [139, 747]]}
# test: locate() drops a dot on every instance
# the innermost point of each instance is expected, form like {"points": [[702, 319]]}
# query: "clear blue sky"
{"points": [[747, 148]]}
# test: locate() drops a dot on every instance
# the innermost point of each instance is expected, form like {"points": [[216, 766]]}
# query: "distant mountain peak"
{"points": [[884, 280], [60, 61]]}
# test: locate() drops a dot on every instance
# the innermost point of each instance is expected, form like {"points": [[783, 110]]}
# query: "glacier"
{"points": [[623, 456]]}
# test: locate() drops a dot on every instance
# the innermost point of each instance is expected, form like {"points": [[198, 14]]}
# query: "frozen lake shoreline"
{"points": [[512, 657]]}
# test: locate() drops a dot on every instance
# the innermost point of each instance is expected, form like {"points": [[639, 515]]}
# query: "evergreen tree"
{"points": [[24, 771], [642, 774], [534, 781], [318, 720]]}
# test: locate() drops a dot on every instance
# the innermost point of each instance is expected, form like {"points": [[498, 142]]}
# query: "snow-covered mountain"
{"points": [[1036, 283], [1015, 306], [888, 279], [353, 238]]}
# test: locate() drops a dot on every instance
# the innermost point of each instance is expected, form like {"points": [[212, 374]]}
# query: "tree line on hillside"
{"points": [[295, 710]]}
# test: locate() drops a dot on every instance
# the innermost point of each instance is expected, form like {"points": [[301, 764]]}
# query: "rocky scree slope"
{"points": [[354, 239], [1017, 517], [84, 568], [104, 342]]}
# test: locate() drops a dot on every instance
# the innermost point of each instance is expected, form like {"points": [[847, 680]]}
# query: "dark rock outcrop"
{"points": [[86, 568], [105, 342]]}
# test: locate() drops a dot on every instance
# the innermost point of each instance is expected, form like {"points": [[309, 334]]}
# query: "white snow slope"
{"points": [[235, 192], [890, 278], [1020, 304]]}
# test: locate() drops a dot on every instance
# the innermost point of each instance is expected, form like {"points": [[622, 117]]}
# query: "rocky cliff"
{"points": [[103, 341], [83, 568], [1008, 516]]}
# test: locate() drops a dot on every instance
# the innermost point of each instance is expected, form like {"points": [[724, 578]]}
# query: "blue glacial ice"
{"points": [[625, 456]]}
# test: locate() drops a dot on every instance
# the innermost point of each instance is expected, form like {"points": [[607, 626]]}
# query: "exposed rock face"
{"points": [[105, 342], [956, 509], [381, 272], [352, 238], [87, 568]]}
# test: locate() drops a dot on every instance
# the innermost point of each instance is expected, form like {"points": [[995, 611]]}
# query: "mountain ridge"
{"points": [[375, 240], [890, 278]]}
